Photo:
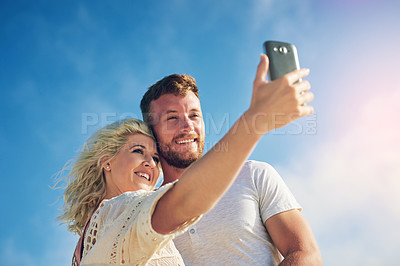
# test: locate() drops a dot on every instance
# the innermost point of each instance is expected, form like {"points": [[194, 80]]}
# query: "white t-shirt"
{"points": [[233, 232], [120, 232]]}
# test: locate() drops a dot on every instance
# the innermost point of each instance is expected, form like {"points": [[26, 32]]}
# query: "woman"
{"points": [[114, 175], [110, 185]]}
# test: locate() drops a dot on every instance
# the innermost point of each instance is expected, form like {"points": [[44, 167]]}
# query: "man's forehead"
{"points": [[170, 102]]}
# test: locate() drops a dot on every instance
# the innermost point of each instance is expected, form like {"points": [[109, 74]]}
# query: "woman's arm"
{"points": [[273, 105]]}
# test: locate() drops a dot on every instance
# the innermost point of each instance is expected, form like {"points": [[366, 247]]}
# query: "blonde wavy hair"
{"points": [[85, 184]]}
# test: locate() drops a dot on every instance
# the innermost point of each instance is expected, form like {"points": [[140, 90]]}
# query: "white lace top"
{"points": [[120, 232]]}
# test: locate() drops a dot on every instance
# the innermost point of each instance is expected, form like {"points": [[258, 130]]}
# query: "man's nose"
{"points": [[187, 124]]}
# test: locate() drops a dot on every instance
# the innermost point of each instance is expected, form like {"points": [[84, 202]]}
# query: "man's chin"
{"points": [[176, 159], [182, 156]]}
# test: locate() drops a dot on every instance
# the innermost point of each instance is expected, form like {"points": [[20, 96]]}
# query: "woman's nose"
{"points": [[149, 162]]}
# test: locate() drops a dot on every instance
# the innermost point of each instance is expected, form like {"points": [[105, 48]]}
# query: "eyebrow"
{"points": [[135, 145], [174, 111], [170, 111], [141, 146]]}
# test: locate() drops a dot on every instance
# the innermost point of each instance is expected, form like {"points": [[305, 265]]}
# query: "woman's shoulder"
{"points": [[131, 197], [129, 204], [117, 205]]}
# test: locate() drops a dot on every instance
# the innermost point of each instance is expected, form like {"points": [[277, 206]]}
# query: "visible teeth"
{"points": [[144, 175], [185, 141]]}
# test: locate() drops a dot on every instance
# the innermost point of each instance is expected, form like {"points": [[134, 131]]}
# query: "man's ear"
{"points": [[105, 163]]}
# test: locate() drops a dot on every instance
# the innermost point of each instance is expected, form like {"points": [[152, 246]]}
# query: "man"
{"points": [[258, 219]]}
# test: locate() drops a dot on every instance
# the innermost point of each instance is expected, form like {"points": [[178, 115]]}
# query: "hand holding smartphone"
{"points": [[283, 58]]}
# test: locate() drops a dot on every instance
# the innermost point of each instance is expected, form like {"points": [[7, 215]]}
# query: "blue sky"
{"points": [[71, 67]]}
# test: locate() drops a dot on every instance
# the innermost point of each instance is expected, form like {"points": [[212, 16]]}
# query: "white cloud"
{"points": [[58, 246], [281, 18], [11, 255], [350, 190]]}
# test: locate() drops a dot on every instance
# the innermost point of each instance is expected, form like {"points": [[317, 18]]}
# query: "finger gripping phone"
{"points": [[283, 58]]}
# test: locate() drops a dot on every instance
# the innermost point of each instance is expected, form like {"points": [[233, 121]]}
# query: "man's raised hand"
{"points": [[276, 103]]}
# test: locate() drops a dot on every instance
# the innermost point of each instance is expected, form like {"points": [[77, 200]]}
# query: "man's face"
{"points": [[178, 125]]}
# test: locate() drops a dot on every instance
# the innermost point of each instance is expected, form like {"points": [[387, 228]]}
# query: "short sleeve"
{"points": [[274, 195], [122, 232], [142, 241]]}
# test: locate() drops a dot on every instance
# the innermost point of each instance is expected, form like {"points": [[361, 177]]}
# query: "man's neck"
{"points": [[171, 173]]}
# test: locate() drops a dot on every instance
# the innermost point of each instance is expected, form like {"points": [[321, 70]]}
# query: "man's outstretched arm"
{"points": [[294, 239]]}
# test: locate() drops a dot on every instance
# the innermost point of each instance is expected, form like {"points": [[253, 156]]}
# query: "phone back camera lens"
{"points": [[283, 50]]}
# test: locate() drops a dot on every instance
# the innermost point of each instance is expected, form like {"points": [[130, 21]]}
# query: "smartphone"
{"points": [[283, 58]]}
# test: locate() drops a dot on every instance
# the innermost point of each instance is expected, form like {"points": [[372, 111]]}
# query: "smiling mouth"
{"points": [[185, 141], [145, 175]]}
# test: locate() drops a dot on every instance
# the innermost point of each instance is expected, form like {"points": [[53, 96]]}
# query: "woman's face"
{"points": [[135, 167]]}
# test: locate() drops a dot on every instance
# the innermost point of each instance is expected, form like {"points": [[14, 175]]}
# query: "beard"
{"points": [[180, 160]]}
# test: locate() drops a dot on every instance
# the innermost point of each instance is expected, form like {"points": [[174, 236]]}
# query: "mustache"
{"points": [[189, 136]]}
